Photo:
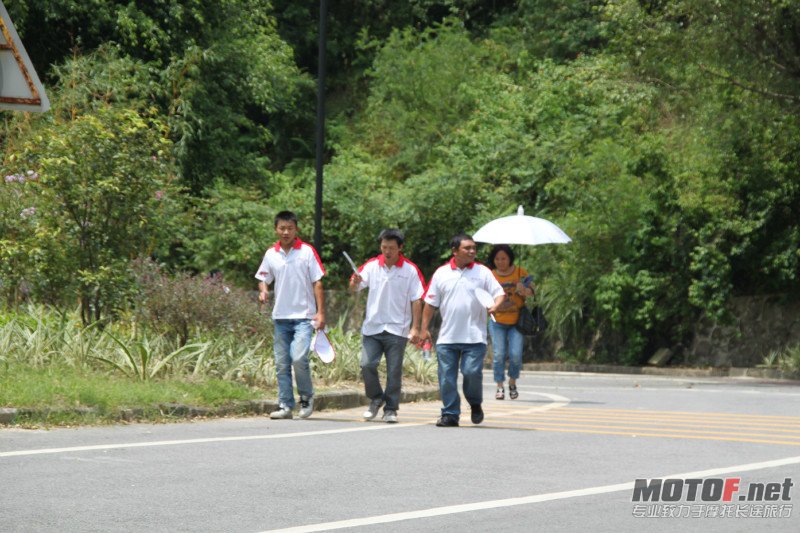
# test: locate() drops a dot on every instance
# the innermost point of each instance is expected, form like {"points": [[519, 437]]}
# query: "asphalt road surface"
{"points": [[565, 456]]}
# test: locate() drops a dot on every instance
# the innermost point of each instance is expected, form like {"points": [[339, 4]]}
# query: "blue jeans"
{"points": [[292, 343], [373, 346], [507, 342], [470, 358]]}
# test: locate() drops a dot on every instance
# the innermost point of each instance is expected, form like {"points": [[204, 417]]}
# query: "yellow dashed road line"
{"points": [[732, 427]]}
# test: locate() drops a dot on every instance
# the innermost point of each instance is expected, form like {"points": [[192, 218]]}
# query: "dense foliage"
{"points": [[663, 137]]}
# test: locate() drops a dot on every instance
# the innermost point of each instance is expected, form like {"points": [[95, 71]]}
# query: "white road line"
{"points": [[558, 401], [495, 504], [644, 389], [202, 441]]}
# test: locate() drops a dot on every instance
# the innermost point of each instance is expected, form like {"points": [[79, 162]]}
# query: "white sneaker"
{"points": [[390, 417], [283, 412], [306, 406], [372, 409]]}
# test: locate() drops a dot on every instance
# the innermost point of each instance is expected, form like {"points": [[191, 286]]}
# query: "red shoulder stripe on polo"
{"points": [[419, 273], [429, 284], [376, 258], [361, 268], [316, 255]]}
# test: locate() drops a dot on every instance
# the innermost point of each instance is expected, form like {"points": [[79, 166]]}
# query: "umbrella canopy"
{"points": [[521, 229]]}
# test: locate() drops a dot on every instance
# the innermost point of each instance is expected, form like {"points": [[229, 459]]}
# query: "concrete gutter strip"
{"points": [[733, 372], [7, 415]]}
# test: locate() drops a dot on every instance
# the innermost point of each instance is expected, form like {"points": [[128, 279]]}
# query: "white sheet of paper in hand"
{"points": [[352, 264], [322, 345], [485, 300]]}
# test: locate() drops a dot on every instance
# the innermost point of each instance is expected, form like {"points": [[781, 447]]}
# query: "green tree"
{"points": [[233, 228], [106, 192], [751, 44], [237, 104], [728, 77], [560, 30], [20, 245], [219, 70]]}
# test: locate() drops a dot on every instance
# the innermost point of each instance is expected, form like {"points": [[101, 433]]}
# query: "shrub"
{"points": [[184, 304], [234, 230]]}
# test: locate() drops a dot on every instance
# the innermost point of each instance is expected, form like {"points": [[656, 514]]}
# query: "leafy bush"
{"points": [[235, 229], [19, 245], [185, 305], [105, 193]]}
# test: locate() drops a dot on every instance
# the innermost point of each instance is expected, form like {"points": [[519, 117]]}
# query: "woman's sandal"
{"points": [[500, 394], [512, 389]]}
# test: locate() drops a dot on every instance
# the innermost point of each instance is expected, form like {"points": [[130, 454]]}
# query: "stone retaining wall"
{"points": [[761, 324]]}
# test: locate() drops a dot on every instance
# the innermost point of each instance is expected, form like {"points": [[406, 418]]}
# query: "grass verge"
{"points": [[63, 395], [55, 372]]}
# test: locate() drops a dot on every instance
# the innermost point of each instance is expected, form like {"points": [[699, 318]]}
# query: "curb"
{"points": [[733, 372], [323, 401], [7, 415]]}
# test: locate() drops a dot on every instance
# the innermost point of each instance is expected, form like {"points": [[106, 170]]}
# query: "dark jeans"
{"points": [[469, 357], [373, 346]]}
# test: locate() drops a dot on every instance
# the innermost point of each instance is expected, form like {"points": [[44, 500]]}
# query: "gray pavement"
{"points": [[562, 457]]}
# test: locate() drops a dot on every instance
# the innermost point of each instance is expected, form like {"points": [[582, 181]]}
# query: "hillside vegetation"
{"points": [[662, 136]]}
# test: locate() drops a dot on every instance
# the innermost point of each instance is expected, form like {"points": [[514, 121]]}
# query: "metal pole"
{"points": [[320, 134]]}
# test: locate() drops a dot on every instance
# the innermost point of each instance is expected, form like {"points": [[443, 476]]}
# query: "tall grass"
{"points": [[346, 367], [53, 365], [41, 338], [786, 360], [140, 360]]}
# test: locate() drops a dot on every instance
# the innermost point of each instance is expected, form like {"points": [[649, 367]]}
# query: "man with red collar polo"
{"points": [[462, 336], [393, 312], [299, 308]]}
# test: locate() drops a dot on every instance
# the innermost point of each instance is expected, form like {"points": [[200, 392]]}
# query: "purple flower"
{"points": [[13, 178], [33, 176], [27, 212], [159, 195]]}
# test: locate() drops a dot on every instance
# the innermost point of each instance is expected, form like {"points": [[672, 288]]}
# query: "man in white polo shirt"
{"points": [[299, 308], [393, 312], [462, 336]]}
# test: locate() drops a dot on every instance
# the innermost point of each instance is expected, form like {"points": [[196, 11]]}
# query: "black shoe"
{"points": [[447, 421], [477, 413]]}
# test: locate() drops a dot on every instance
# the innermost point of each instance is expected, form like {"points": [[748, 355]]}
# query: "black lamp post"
{"points": [[320, 133]]}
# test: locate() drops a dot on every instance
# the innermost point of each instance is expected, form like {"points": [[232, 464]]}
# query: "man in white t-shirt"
{"points": [[462, 336], [392, 318], [299, 308]]}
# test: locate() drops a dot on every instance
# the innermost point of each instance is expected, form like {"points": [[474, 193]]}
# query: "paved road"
{"points": [[563, 457]]}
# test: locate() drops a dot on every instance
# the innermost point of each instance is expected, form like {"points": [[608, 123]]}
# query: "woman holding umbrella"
{"points": [[507, 342]]}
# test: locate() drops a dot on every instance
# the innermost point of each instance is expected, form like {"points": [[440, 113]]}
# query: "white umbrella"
{"points": [[521, 229]]}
